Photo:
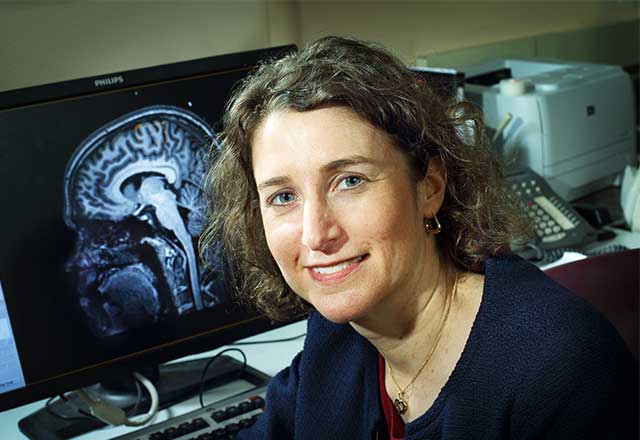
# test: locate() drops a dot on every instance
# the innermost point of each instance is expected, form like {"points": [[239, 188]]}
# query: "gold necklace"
{"points": [[400, 402]]}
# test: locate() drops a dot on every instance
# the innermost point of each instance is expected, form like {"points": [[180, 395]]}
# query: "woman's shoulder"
{"points": [[545, 320], [516, 288], [565, 361]]}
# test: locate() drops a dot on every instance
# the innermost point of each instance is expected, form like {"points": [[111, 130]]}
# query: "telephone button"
{"points": [[554, 237], [555, 213]]}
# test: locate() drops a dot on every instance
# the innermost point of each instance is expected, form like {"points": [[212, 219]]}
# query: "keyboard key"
{"points": [[186, 428], [218, 432], [232, 428], [219, 416], [199, 423], [170, 433], [232, 411]]}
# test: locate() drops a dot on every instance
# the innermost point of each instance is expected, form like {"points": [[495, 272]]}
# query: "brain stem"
{"points": [[153, 193]]}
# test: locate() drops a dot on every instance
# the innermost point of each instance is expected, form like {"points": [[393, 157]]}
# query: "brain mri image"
{"points": [[134, 200]]}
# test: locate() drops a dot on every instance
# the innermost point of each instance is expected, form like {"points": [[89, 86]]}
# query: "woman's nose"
{"points": [[321, 230]]}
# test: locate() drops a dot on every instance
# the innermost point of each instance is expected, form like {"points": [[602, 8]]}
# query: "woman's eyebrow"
{"points": [[347, 162], [274, 181], [327, 168]]}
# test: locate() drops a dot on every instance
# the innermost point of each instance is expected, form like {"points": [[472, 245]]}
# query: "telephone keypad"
{"points": [[551, 217], [555, 223]]}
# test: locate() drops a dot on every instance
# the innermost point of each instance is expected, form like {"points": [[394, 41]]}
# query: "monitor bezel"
{"points": [[206, 341]]}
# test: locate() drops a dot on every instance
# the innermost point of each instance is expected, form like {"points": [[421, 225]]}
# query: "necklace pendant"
{"points": [[400, 404]]}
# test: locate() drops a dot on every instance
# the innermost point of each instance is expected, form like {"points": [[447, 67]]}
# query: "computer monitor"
{"points": [[101, 208], [448, 83]]}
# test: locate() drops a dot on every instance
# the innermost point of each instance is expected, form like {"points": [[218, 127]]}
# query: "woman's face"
{"points": [[342, 217]]}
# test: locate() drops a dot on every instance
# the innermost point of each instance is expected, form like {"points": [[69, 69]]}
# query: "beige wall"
{"points": [[43, 42], [54, 41], [418, 28]]}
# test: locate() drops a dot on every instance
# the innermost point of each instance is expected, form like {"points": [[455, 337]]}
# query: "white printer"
{"points": [[572, 123]]}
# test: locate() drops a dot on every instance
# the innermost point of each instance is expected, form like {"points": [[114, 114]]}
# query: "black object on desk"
{"points": [[596, 216]]}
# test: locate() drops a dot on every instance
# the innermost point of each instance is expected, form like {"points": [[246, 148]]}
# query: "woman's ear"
{"points": [[433, 187]]}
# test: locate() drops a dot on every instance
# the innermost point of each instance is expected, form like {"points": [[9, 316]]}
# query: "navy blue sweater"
{"points": [[539, 363]]}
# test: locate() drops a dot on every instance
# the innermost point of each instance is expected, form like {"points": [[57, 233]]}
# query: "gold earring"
{"points": [[432, 225]]}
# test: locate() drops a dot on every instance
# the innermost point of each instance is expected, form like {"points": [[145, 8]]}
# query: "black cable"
{"points": [[208, 364], [271, 341]]}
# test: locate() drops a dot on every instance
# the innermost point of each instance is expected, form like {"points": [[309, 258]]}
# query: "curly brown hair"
{"points": [[479, 217]]}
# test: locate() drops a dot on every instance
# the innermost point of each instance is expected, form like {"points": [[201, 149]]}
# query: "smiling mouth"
{"points": [[337, 271], [328, 270]]}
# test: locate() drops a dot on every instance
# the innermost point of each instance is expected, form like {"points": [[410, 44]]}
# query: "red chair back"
{"points": [[611, 283]]}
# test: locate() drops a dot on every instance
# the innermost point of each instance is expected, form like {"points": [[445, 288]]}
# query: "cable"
{"points": [[244, 357], [133, 410], [271, 341], [155, 400], [50, 410], [208, 364], [116, 416]]}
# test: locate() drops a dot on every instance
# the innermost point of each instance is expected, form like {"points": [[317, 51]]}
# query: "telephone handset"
{"points": [[557, 224]]}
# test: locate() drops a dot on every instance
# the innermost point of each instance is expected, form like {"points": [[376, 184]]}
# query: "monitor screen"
{"points": [[102, 207]]}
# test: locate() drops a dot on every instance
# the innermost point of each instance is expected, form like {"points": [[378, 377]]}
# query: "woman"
{"points": [[347, 190]]}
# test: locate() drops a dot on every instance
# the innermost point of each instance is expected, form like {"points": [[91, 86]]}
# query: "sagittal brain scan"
{"points": [[133, 198]]}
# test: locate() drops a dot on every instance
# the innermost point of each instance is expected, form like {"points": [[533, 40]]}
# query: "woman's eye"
{"points": [[350, 182], [282, 199]]}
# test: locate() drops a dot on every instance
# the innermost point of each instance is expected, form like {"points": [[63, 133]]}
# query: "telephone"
{"points": [[557, 224]]}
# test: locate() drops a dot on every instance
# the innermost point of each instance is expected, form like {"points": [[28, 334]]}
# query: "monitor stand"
{"points": [[175, 383]]}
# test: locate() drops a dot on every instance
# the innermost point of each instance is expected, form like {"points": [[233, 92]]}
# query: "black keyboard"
{"points": [[217, 421], [548, 256], [606, 249]]}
